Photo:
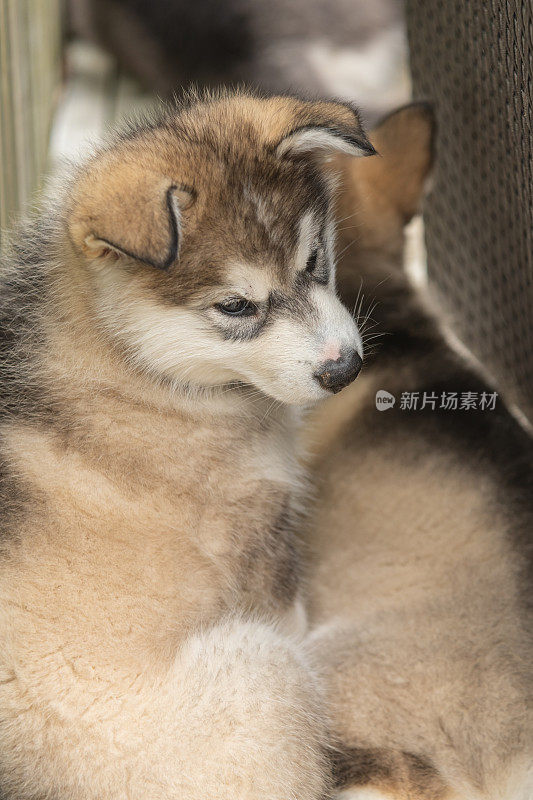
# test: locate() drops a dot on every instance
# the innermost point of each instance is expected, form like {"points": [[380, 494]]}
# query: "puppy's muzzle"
{"points": [[335, 375]]}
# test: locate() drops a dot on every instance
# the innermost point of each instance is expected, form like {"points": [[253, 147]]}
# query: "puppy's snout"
{"points": [[335, 375]]}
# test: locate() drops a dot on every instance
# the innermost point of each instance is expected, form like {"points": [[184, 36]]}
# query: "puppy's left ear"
{"points": [[324, 129]]}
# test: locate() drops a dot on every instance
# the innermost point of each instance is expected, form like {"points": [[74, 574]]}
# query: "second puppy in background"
{"points": [[422, 532], [349, 49]]}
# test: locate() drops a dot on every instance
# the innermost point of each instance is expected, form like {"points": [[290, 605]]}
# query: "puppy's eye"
{"points": [[311, 261], [238, 307]]}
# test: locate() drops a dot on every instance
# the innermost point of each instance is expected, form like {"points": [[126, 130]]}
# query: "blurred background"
{"points": [[69, 69]]}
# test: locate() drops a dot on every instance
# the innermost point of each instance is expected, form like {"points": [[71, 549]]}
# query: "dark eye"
{"points": [[239, 307], [311, 261]]}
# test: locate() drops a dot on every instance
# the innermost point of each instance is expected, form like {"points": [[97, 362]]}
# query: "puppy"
{"points": [[343, 48], [159, 327], [423, 528]]}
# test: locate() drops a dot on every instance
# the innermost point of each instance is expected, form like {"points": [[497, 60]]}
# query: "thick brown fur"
{"points": [[421, 584], [150, 627]]}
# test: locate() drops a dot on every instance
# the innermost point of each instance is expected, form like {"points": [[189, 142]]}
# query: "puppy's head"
{"points": [[207, 241]]}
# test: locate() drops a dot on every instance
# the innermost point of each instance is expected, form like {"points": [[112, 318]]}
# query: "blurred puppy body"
{"points": [[342, 48], [422, 532], [159, 328]]}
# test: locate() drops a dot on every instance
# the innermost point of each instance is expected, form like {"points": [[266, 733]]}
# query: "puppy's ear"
{"points": [[386, 192], [405, 140], [327, 128], [122, 210]]}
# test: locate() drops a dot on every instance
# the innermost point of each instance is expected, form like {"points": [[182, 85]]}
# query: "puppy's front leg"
{"points": [[237, 715]]}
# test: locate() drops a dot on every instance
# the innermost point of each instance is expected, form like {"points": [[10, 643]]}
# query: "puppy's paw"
{"points": [[374, 773]]}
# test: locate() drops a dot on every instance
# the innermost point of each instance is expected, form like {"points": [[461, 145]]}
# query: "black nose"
{"points": [[335, 375]]}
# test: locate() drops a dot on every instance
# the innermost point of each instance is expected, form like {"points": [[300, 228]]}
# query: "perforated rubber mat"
{"points": [[474, 60]]}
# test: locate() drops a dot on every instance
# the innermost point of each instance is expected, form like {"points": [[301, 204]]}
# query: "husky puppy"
{"points": [[422, 532], [158, 329]]}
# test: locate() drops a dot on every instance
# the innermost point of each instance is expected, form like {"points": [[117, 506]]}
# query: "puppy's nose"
{"points": [[335, 375]]}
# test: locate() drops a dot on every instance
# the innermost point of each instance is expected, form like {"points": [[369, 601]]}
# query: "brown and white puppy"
{"points": [[422, 533], [157, 329]]}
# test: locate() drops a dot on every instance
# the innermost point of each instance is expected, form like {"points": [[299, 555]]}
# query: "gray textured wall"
{"points": [[474, 59]]}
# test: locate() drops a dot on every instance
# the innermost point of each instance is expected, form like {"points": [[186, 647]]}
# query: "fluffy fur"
{"points": [[149, 576], [421, 584], [340, 48]]}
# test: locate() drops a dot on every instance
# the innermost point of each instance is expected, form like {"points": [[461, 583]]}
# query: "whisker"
{"points": [[348, 216], [344, 249]]}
